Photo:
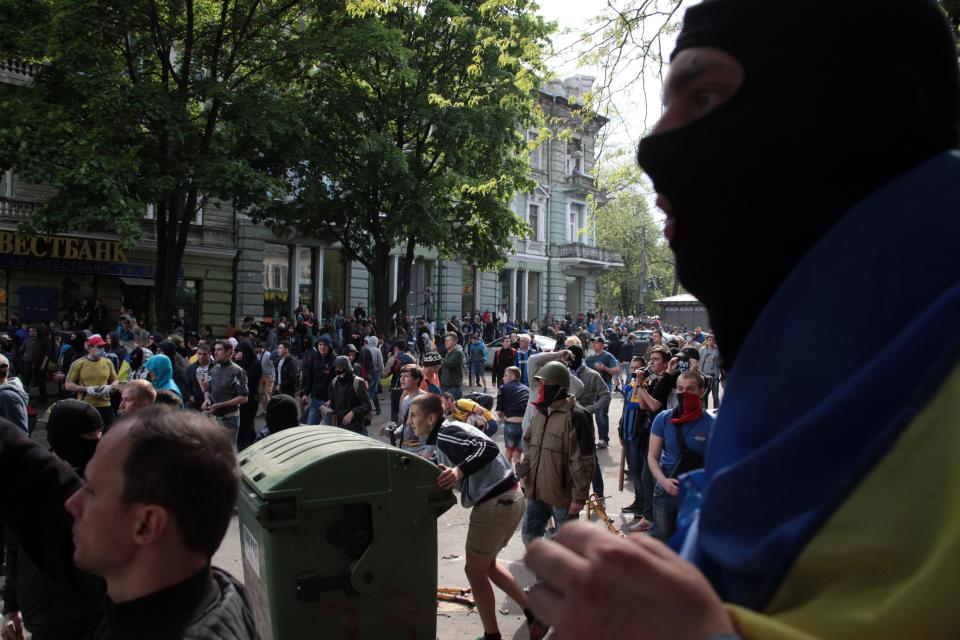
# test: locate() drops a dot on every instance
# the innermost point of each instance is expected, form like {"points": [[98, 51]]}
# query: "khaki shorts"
{"points": [[493, 522], [266, 386]]}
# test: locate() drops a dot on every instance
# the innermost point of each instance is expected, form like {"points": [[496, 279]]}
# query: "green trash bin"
{"points": [[339, 536]]}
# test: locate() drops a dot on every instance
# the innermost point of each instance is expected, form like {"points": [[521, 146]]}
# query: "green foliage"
{"points": [[620, 224], [415, 133], [143, 102]]}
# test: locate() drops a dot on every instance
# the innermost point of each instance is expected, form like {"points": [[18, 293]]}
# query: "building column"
{"points": [[392, 271], [477, 284], [293, 279], [524, 295], [512, 311], [318, 283]]}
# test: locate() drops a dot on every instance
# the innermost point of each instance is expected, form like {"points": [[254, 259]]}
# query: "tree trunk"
{"points": [[381, 291]]}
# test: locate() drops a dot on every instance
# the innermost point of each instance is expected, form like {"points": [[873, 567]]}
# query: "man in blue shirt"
{"points": [[678, 440], [604, 363]]}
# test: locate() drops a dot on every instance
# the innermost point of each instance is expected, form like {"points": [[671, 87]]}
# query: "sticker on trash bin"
{"points": [[251, 550]]}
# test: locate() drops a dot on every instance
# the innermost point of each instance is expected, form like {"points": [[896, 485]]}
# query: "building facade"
{"points": [[553, 270]]}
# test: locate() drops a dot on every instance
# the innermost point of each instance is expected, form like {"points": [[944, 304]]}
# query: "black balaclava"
{"points": [[68, 420], [837, 99], [577, 352]]}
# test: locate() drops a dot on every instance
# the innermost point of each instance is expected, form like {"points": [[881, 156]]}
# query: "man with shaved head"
{"points": [[136, 395], [153, 508]]}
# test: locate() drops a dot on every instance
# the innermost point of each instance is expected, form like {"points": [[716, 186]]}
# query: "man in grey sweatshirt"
{"points": [[13, 399]]}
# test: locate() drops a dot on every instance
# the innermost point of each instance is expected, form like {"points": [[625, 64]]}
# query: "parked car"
{"points": [[543, 343]]}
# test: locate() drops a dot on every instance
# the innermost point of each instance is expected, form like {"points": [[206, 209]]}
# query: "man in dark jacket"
{"points": [[317, 372], [286, 378], [157, 501], [348, 401]]}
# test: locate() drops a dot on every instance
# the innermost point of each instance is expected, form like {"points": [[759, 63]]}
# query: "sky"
{"points": [[636, 105]]}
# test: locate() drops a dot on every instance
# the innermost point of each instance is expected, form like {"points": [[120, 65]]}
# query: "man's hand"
{"points": [[590, 588], [449, 477], [575, 508], [12, 627], [347, 419], [304, 400], [478, 410], [671, 486], [207, 406], [566, 356], [673, 365]]}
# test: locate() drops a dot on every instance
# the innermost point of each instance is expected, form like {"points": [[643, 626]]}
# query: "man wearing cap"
{"points": [[818, 120], [432, 361], [317, 372], [227, 389], [559, 460], [90, 378], [604, 363]]}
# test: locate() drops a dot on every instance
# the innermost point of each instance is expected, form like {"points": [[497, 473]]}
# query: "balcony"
{"points": [[17, 73], [578, 182], [17, 209], [530, 247], [578, 252]]}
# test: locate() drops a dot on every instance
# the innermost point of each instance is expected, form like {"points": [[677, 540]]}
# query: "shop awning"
{"points": [[137, 282]]}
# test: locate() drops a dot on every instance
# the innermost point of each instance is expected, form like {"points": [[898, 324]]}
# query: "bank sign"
{"points": [[71, 255]]}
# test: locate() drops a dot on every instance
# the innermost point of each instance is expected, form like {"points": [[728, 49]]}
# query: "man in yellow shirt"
{"points": [[470, 412], [90, 378]]}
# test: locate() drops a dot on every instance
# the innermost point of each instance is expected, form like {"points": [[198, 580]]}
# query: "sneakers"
{"points": [[631, 508], [639, 526], [603, 444]]}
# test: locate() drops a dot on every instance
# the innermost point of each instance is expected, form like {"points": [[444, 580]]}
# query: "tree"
{"points": [[624, 223], [141, 102], [420, 109]]}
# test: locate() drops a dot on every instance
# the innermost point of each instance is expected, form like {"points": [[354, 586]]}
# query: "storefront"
{"points": [[49, 278]]}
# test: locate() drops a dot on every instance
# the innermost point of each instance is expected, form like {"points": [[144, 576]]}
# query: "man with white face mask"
{"points": [[90, 378]]}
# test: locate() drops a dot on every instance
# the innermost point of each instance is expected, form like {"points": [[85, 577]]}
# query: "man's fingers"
{"points": [[555, 564], [549, 605]]}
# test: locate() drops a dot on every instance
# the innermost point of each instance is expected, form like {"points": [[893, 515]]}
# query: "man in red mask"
{"points": [[678, 440]]}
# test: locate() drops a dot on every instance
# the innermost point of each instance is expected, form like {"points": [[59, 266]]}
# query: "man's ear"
{"points": [[151, 522]]}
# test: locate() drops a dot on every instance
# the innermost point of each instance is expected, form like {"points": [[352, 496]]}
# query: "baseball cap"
{"points": [[431, 358], [689, 353], [96, 341]]}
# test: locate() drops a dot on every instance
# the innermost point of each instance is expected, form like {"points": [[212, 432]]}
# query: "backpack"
{"points": [[360, 391], [366, 360]]}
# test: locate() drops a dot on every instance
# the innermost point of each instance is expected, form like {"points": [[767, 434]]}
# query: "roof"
{"points": [[683, 297]]}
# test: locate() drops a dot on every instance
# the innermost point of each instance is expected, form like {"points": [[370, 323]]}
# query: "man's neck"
{"points": [[153, 574]]}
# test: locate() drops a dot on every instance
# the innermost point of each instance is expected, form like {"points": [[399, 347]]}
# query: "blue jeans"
{"points": [[603, 425], [373, 389], [664, 514], [456, 392], [476, 373], [535, 518], [232, 425], [631, 451], [312, 415]]}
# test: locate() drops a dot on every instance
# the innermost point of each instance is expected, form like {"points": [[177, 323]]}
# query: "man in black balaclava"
{"points": [[48, 605], [806, 159], [791, 118]]}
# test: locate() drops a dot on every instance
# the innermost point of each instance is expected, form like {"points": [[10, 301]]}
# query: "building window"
{"points": [[6, 184], [575, 156], [197, 219], [572, 226], [533, 219], [536, 156], [276, 285]]}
